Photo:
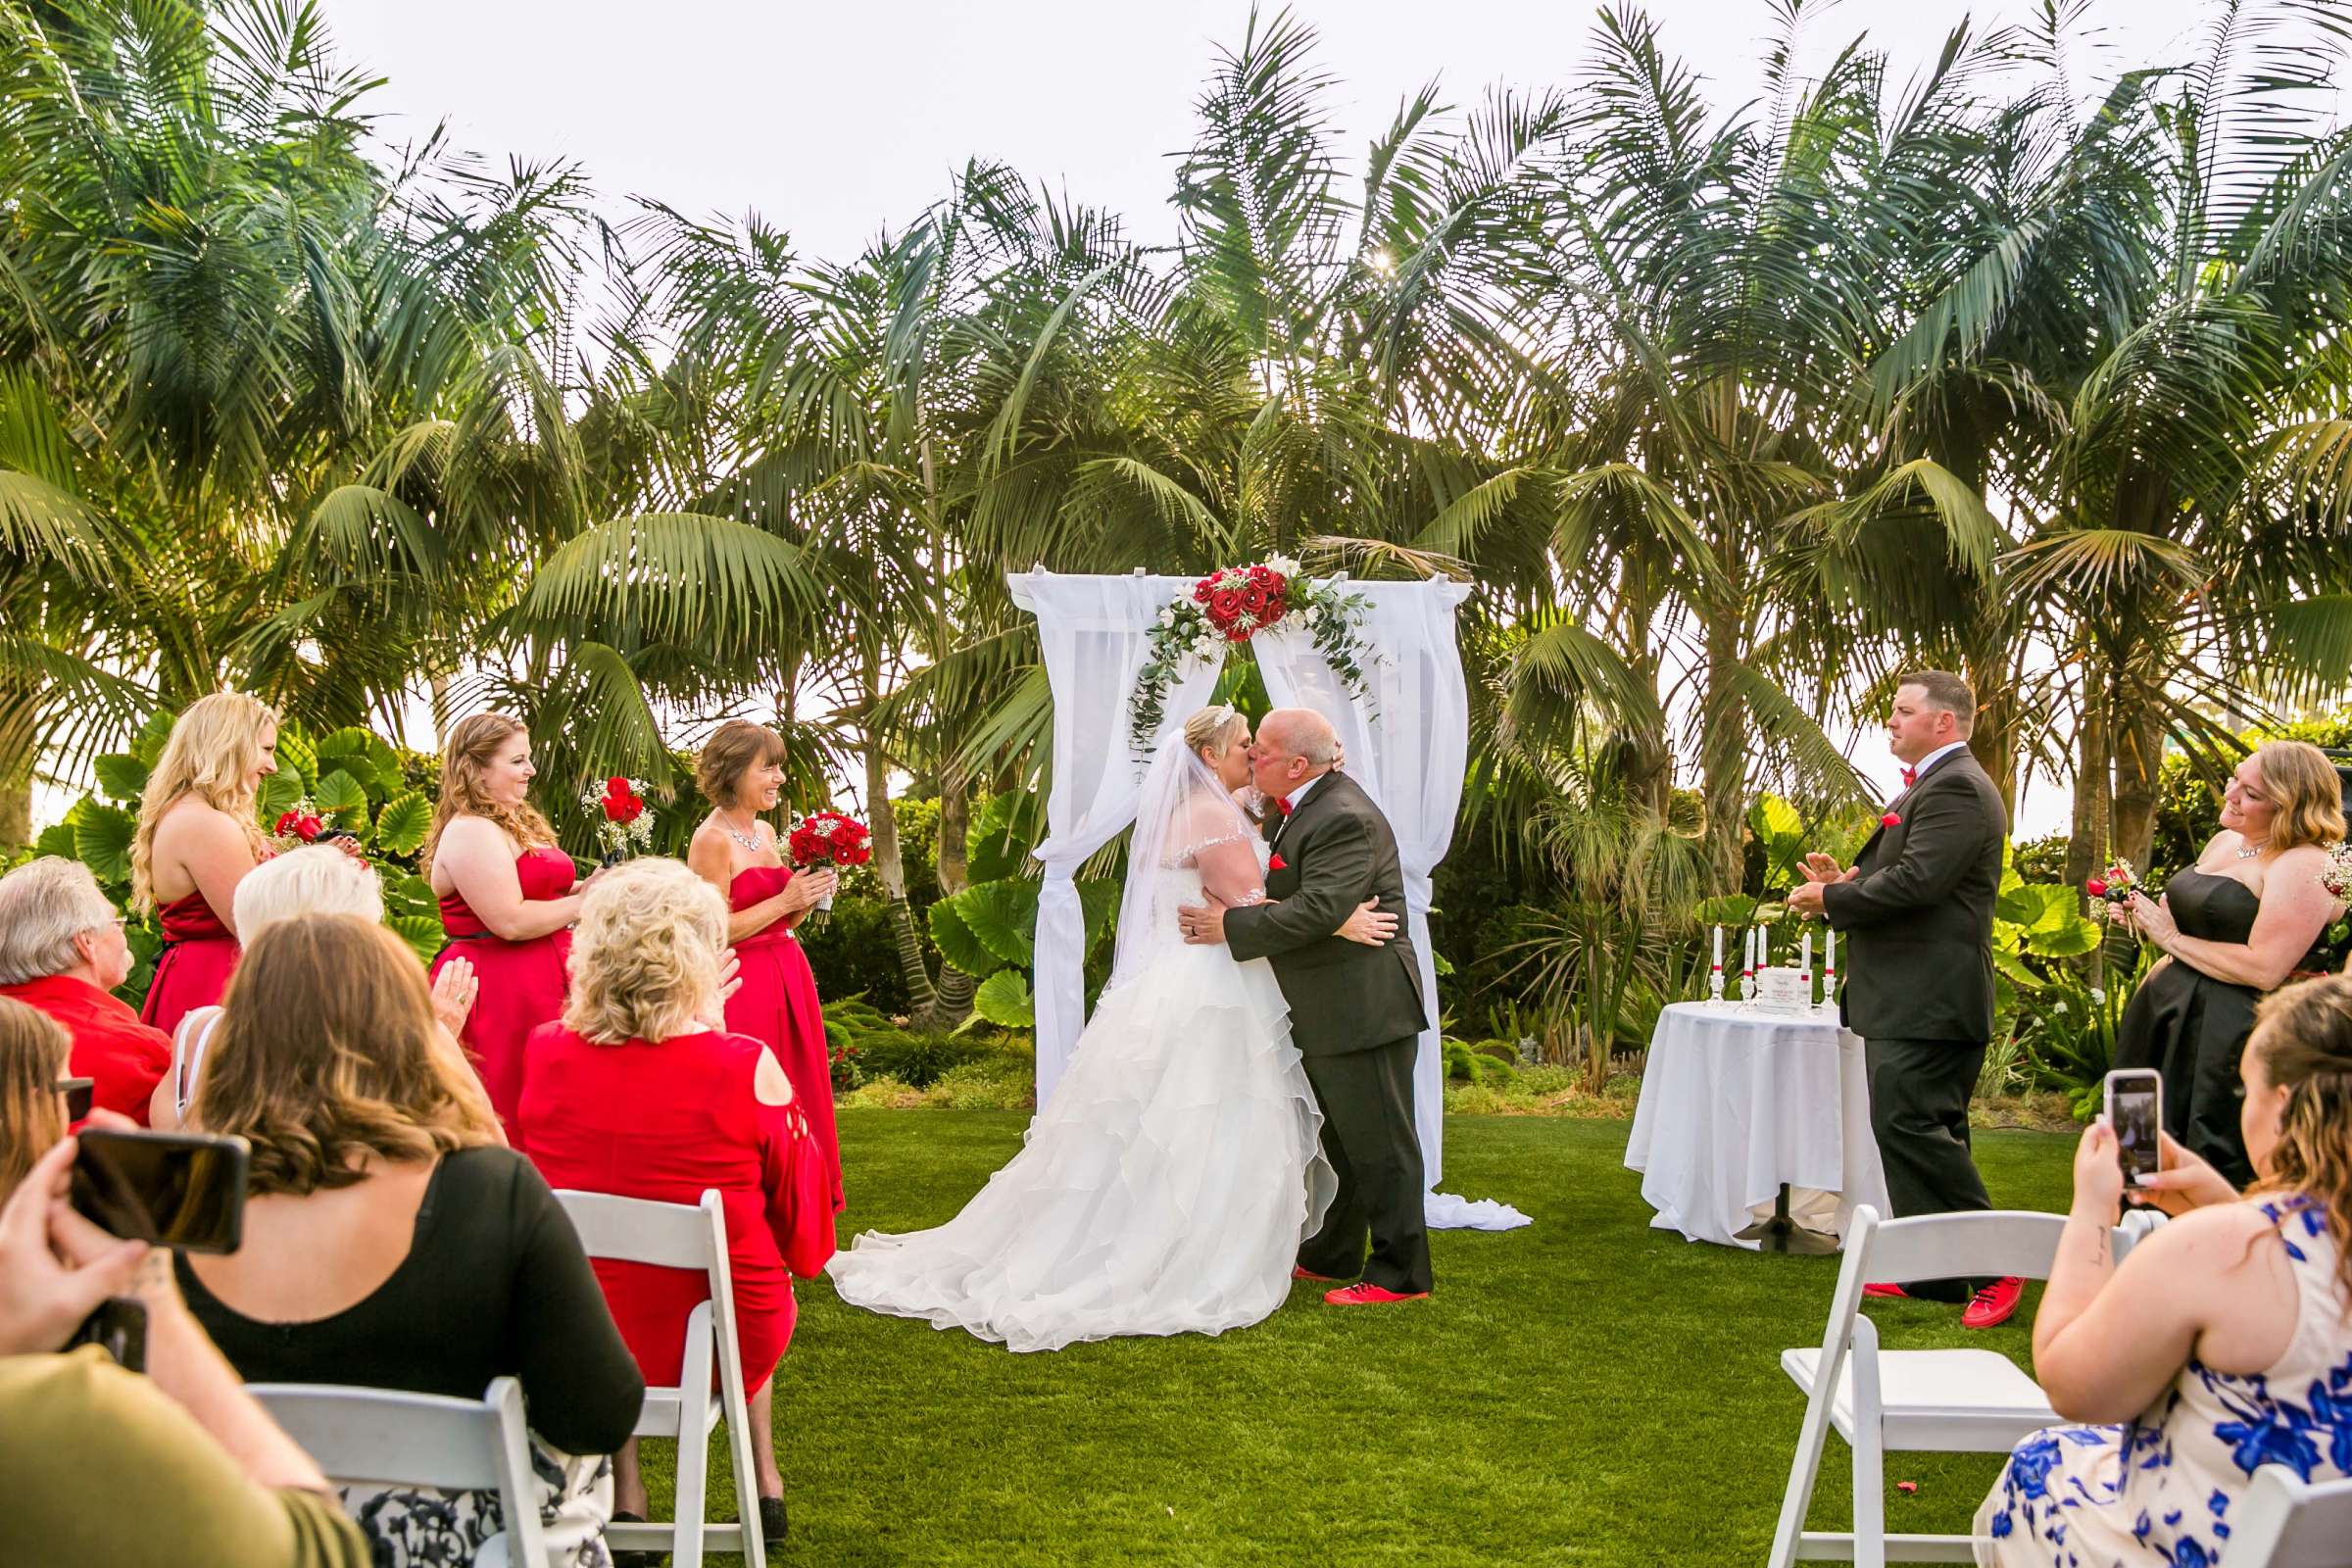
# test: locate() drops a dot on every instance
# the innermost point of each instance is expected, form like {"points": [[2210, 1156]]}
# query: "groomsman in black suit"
{"points": [[1915, 910]]}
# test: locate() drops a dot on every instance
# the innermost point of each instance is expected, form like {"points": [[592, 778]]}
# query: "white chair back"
{"points": [[2287, 1522], [637, 1230], [386, 1437]]}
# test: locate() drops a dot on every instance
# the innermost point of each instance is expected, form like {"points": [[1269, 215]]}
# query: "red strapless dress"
{"points": [[521, 983], [777, 1007], [198, 958]]}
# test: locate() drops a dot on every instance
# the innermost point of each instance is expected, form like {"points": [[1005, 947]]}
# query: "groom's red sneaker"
{"points": [[1319, 1279], [1367, 1294], [1993, 1304]]}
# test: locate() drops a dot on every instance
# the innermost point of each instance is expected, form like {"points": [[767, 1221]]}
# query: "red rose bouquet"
{"points": [[828, 838], [299, 824], [1243, 601], [623, 825], [2115, 886], [2336, 875]]}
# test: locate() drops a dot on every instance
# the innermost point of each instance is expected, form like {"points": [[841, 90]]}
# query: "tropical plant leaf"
{"points": [[339, 794], [102, 836], [956, 944], [423, 933], [1002, 917], [400, 827], [1003, 999], [121, 777], [277, 795]]}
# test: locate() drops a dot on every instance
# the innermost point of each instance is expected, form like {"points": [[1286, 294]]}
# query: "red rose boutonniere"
{"points": [[1891, 821], [1278, 863]]}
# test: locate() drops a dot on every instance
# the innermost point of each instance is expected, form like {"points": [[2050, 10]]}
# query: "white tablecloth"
{"points": [[1734, 1102]]}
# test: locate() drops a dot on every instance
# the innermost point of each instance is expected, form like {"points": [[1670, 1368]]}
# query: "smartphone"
{"points": [[177, 1190], [2136, 1110], [119, 1328], [78, 1092]]}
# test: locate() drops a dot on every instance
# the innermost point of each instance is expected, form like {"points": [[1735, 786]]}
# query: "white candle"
{"points": [[1748, 952], [1763, 949], [1829, 956], [1719, 950], [1804, 961]]}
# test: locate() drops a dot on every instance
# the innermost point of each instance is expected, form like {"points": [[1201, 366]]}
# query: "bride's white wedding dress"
{"points": [[1167, 1184]]}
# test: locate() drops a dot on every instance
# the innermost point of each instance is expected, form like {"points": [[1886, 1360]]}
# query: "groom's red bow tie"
{"points": [[1282, 804], [1910, 776]]}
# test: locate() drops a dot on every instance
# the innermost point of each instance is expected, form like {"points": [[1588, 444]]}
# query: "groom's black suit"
{"points": [[1356, 1015]]}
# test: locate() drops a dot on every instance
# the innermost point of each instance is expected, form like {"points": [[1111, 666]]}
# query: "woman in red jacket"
{"points": [[641, 1092]]}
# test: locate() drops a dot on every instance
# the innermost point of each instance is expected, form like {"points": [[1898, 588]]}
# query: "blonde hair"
{"points": [[476, 740], [316, 879], [2306, 790], [329, 1052], [646, 954], [34, 1050], [2303, 1034], [214, 753], [733, 749], [1213, 726]]}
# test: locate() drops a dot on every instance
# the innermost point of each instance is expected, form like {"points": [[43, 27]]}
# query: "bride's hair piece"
{"points": [[1212, 726]]}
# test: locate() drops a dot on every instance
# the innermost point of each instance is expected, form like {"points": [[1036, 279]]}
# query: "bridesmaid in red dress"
{"points": [[508, 896], [741, 771], [637, 1093], [197, 837]]}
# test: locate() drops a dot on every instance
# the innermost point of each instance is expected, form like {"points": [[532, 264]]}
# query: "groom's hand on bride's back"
{"points": [[1202, 925], [1368, 925]]}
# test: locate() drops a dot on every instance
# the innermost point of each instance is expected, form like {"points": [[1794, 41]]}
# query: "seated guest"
{"points": [[2235, 925], [62, 951], [641, 1092], [316, 879], [217, 1483], [389, 1242], [2223, 1341], [32, 1106]]}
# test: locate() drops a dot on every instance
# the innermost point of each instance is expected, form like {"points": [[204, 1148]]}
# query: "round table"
{"points": [[1738, 1103]]}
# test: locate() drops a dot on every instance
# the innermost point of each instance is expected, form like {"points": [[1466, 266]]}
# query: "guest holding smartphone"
{"points": [[2220, 1344], [2232, 926]]}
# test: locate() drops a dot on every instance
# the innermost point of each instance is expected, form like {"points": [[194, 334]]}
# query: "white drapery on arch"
{"points": [[1408, 747]]}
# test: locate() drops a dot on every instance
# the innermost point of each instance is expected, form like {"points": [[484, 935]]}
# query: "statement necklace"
{"points": [[2248, 855], [750, 841]]}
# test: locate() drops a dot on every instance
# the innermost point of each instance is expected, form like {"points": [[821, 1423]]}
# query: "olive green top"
{"points": [[105, 1470]]}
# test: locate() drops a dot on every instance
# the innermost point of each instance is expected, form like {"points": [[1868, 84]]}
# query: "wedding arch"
{"points": [[1403, 716]]}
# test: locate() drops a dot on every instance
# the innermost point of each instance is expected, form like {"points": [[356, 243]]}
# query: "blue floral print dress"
{"points": [[2159, 1490]]}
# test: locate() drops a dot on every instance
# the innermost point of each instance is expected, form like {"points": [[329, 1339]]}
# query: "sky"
{"points": [[837, 121]]}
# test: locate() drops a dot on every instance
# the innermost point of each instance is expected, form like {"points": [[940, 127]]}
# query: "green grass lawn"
{"points": [[1585, 1391]]}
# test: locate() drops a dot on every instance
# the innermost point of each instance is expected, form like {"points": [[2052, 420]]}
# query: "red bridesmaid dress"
{"points": [[199, 956], [777, 1006], [521, 983], [665, 1122]]}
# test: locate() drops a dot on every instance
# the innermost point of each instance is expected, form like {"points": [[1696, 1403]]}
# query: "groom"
{"points": [[1356, 1011]]}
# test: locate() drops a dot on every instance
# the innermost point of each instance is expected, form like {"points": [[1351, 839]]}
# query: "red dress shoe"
{"points": [[1319, 1279], [1886, 1290], [1995, 1303], [1366, 1294]]}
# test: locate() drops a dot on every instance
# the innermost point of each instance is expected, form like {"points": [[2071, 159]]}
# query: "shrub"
{"points": [[998, 1081]]}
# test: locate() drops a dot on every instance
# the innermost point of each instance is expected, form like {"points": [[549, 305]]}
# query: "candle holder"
{"points": [[1748, 986], [1715, 983]]}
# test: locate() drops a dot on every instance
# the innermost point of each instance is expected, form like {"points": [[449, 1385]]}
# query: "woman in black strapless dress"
{"points": [[2234, 927]]}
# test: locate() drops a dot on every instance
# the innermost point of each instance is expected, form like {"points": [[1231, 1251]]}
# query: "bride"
{"points": [[1165, 1185]]}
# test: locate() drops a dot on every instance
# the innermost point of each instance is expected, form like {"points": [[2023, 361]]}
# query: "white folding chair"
{"points": [[1942, 1401], [386, 1437], [635, 1230], [2287, 1522]]}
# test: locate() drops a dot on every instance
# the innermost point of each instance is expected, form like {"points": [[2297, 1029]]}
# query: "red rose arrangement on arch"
{"points": [[624, 826], [1234, 603]]}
